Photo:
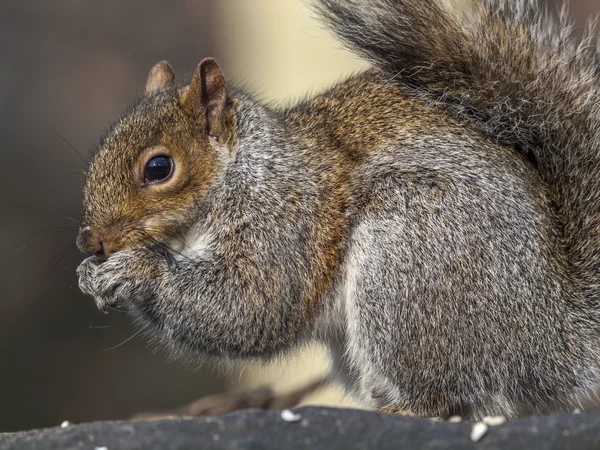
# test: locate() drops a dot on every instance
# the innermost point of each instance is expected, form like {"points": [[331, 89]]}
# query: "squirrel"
{"points": [[433, 220]]}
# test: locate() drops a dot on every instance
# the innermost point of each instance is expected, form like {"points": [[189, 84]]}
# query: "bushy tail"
{"points": [[516, 72]]}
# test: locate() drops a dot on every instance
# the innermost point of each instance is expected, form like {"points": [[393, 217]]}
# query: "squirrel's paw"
{"points": [[85, 273], [125, 276]]}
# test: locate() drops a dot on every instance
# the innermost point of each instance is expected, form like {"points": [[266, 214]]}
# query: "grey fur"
{"points": [[457, 198]]}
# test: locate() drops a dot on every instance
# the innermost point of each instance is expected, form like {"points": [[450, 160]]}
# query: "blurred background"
{"points": [[67, 68]]}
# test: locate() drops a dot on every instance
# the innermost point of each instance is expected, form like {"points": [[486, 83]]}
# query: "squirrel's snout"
{"points": [[90, 242]]}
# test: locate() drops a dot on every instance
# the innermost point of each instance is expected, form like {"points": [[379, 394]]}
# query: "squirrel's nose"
{"points": [[90, 242]]}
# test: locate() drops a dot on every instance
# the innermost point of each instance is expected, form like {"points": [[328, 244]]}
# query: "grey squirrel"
{"points": [[434, 220]]}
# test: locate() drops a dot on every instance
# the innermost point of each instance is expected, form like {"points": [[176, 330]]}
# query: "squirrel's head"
{"points": [[157, 161]]}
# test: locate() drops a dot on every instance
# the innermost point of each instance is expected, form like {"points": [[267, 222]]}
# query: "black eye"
{"points": [[158, 169]]}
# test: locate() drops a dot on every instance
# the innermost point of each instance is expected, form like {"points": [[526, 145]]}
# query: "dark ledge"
{"points": [[318, 428]]}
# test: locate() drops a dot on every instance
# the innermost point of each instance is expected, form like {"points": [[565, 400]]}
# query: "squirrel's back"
{"points": [[517, 74]]}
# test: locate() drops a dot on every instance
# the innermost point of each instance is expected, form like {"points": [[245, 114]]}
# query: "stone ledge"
{"points": [[318, 428]]}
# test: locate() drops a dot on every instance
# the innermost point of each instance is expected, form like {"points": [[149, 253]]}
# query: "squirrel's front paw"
{"points": [[86, 272], [125, 276]]}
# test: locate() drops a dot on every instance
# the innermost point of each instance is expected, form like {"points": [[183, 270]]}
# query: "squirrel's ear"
{"points": [[161, 76], [207, 94]]}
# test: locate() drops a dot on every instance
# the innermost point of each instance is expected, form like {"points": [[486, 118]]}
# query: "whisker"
{"points": [[70, 145], [64, 211], [49, 160], [125, 341], [73, 220], [162, 245], [67, 215], [98, 327], [55, 260], [165, 246], [48, 230]]}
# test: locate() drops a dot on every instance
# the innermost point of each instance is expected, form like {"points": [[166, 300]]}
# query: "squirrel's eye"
{"points": [[158, 169]]}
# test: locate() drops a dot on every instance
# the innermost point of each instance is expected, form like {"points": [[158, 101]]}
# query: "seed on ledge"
{"points": [[478, 431], [289, 416], [493, 421]]}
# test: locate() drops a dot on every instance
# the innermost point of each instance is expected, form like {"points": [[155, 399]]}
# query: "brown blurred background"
{"points": [[67, 68]]}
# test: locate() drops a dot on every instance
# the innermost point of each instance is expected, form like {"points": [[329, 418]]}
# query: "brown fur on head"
{"points": [[189, 126]]}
